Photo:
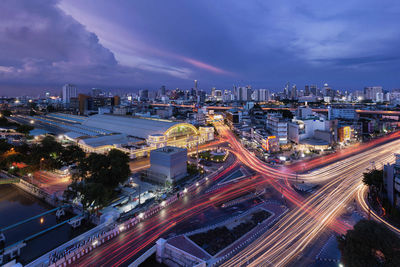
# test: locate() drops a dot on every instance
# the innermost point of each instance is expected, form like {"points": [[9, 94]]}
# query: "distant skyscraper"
{"points": [[68, 91], [293, 94], [162, 90], [328, 91], [236, 94], [249, 92], [313, 89], [306, 90], [96, 92], [370, 93], [286, 90], [261, 95], [213, 92], [201, 97], [144, 94], [195, 86], [244, 93]]}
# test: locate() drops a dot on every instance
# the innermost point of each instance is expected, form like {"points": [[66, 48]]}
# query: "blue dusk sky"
{"points": [[145, 44]]}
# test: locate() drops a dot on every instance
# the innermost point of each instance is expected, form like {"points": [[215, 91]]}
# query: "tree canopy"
{"points": [[369, 244], [47, 155], [24, 129], [97, 176], [6, 112], [373, 178]]}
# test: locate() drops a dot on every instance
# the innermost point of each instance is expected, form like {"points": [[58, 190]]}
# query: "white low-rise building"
{"points": [[167, 164]]}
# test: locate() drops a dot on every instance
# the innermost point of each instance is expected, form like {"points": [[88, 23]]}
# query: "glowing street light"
{"points": [[141, 215], [121, 228], [32, 121], [163, 203]]}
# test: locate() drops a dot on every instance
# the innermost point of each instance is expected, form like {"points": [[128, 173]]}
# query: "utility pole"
{"points": [[197, 151], [139, 194]]}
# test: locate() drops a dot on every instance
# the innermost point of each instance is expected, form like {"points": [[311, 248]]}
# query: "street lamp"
{"points": [[41, 163]]}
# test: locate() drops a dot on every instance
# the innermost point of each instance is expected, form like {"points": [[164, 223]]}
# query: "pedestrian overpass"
{"points": [[14, 250]]}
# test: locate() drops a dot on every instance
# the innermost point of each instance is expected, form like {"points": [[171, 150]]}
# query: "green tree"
{"points": [[50, 145], [373, 178], [24, 129], [4, 121], [369, 244], [6, 113], [46, 155], [72, 154], [97, 177], [4, 146]]}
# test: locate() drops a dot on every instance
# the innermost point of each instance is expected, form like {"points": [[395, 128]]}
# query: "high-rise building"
{"points": [[162, 90], [391, 178], [306, 90], [371, 92], [293, 94], [213, 92], [248, 91], [196, 86], [201, 96], [144, 94], [261, 95], [286, 90], [96, 92], [278, 126], [313, 90], [83, 103], [328, 91], [68, 91]]}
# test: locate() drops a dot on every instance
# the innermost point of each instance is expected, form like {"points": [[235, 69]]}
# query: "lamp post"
{"points": [[41, 163]]}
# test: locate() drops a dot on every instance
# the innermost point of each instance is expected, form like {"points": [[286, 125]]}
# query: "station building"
{"points": [[136, 136]]}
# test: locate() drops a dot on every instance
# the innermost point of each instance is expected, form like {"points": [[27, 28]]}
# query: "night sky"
{"points": [[145, 44]]}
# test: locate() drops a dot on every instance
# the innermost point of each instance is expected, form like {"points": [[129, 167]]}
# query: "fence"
{"points": [[69, 257]]}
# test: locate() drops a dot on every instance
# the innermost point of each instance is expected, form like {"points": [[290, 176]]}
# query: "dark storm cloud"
{"points": [[148, 43]]}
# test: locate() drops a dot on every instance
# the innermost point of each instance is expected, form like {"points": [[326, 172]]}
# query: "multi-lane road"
{"points": [[292, 234], [340, 182]]}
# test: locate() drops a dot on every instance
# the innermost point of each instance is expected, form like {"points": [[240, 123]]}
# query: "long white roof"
{"points": [[138, 127], [104, 140]]}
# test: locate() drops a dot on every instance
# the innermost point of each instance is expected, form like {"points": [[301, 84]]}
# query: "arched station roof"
{"points": [[137, 127]]}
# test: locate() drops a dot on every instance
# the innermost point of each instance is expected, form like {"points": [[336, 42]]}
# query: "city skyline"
{"points": [[139, 45]]}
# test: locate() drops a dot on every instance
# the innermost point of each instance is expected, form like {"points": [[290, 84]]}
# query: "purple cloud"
{"points": [[136, 44]]}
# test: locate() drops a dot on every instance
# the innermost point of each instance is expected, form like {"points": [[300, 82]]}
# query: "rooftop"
{"points": [[169, 149], [183, 243], [314, 142], [138, 127], [115, 139]]}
